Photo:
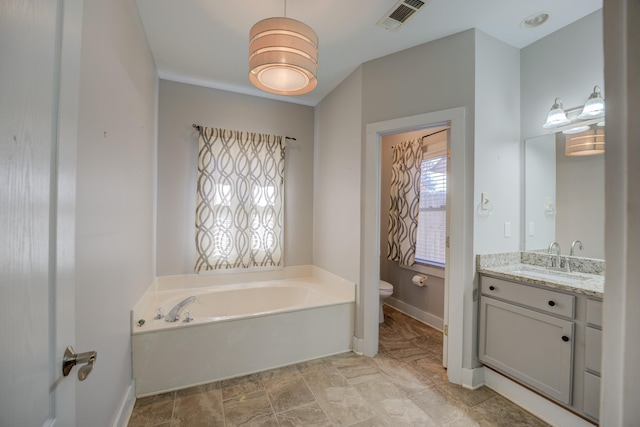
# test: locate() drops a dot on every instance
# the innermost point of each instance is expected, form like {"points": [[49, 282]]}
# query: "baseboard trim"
{"points": [[428, 318], [542, 408], [472, 379], [357, 345], [126, 406]]}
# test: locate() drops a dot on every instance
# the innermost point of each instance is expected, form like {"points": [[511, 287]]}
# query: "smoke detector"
{"points": [[400, 13]]}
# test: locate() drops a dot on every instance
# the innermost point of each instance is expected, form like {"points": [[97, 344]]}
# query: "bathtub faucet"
{"points": [[174, 314]]}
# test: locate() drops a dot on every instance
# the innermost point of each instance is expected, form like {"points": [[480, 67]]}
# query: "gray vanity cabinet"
{"points": [[593, 350], [527, 333]]}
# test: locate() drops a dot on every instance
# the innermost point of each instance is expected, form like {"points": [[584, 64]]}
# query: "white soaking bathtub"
{"points": [[238, 328]]}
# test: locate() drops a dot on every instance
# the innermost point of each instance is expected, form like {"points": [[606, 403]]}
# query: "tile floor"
{"points": [[404, 385]]}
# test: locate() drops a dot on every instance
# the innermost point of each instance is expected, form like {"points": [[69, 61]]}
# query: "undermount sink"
{"points": [[561, 277]]}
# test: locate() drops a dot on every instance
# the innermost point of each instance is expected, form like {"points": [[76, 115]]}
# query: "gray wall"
{"points": [[440, 75], [115, 198], [180, 106], [497, 155], [430, 77], [336, 184], [568, 64]]}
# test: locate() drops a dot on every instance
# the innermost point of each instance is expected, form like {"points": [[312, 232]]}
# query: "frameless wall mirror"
{"points": [[564, 197]]}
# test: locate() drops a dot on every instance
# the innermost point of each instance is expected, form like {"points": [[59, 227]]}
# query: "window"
{"points": [[239, 203], [432, 230]]}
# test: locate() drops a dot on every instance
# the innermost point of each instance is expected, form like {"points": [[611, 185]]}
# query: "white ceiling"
{"points": [[205, 42]]}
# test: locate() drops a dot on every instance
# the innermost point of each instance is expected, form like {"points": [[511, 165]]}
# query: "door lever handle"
{"points": [[71, 359]]}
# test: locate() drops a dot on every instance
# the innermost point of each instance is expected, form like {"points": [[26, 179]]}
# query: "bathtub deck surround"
{"points": [[270, 320], [404, 385]]}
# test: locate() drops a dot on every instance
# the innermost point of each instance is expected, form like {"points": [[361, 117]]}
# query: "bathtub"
{"points": [[266, 321]]}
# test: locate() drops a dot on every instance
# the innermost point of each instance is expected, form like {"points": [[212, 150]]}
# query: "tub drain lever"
{"points": [[71, 359]]}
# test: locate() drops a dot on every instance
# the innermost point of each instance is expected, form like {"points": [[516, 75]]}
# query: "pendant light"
{"points": [[557, 116], [587, 143], [594, 107], [283, 56]]}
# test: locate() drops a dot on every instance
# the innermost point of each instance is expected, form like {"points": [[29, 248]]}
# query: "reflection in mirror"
{"points": [[564, 198]]}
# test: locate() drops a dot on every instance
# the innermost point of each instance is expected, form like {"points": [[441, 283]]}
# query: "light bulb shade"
{"points": [[577, 129], [587, 143], [557, 116], [594, 107], [283, 56]]}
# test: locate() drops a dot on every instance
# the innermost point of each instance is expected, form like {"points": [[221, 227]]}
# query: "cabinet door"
{"points": [[532, 347], [591, 395]]}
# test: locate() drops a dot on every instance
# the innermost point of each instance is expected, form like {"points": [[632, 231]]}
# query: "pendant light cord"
{"points": [[285, 8]]}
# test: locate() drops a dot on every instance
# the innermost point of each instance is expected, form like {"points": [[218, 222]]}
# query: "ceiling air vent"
{"points": [[400, 13]]}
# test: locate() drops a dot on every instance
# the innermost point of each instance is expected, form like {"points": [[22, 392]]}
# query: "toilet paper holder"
{"points": [[419, 280]]}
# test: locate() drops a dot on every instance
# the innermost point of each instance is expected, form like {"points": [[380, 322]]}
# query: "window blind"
{"points": [[431, 239]]}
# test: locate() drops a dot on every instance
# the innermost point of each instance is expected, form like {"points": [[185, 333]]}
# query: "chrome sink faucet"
{"points": [[573, 245], [556, 246], [174, 314]]}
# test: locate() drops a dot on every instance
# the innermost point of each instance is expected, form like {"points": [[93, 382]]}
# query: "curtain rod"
{"points": [[198, 127], [435, 133]]}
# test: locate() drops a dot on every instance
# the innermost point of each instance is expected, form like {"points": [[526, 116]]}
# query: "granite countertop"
{"points": [[511, 266]]}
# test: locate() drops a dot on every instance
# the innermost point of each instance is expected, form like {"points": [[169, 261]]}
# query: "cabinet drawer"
{"points": [[592, 395], [593, 349], [540, 299], [594, 312]]}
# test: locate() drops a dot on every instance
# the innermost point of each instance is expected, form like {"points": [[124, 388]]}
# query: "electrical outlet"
{"points": [[507, 229]]}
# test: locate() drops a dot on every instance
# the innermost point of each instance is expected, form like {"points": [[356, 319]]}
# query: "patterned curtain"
{"points": [[405, 201], [239, 212]]}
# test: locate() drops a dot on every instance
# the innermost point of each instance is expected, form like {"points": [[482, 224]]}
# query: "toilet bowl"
{"points": [[386, 289]]}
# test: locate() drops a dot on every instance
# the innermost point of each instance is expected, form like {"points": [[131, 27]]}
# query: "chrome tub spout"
{"points": [[174, 314]]}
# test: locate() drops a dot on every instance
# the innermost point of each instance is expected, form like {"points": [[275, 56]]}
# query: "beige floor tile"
{"points": [[286, 372], [445, 410], [289, 393], [199, 407], [240, 386], [401, 374], [314, 365], [249, 410], [501, 412], [392, 404], [466, 396], [153, 410], [341, 402], [370, 422], [309, 416]]}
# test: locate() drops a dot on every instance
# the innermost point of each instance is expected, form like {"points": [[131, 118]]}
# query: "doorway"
{"points": [[423, 300], [460, 251]]}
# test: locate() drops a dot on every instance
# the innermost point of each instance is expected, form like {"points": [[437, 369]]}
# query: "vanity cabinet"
{"points": [[593, 351], [527, 333], [546, 339]]}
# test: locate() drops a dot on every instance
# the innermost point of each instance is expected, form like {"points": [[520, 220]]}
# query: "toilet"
{"points": [[386, 289]]}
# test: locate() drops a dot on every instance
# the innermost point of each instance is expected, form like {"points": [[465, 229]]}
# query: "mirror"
{"points": [[564, 198]]}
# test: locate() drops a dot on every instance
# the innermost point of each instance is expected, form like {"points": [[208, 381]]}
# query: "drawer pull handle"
{"points": [[552, 303], [565, 338], [492, 288]]}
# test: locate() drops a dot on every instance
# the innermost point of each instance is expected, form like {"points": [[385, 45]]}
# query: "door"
{"points": [[533, 347], [38, 107]]}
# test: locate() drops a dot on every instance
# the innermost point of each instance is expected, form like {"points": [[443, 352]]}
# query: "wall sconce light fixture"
{"points": [[594, 107], [574, 120], [557, 116]]}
